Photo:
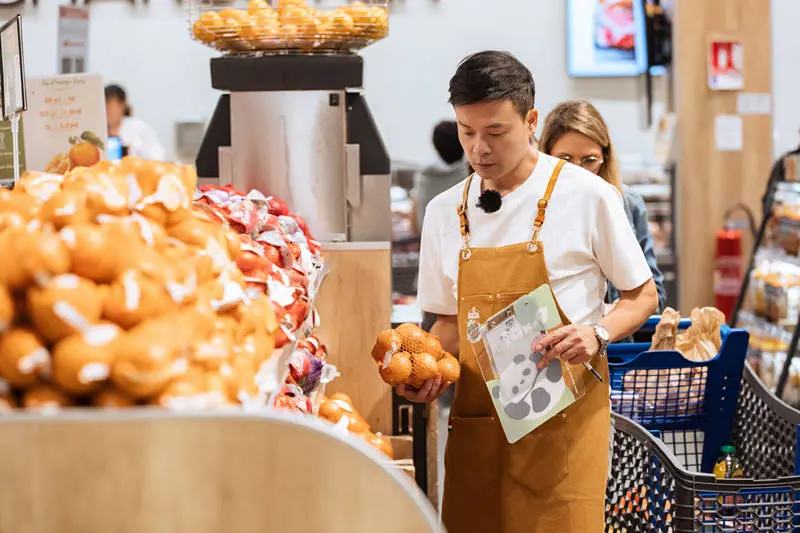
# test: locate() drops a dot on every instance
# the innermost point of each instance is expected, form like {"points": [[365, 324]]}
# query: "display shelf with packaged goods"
{"points": [[769, 299]]}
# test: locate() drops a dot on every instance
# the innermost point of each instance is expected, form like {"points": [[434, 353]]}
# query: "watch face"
{"points": [[601, 333]]}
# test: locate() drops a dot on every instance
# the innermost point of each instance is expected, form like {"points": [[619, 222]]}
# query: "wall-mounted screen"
{"points": [[606, 38]]}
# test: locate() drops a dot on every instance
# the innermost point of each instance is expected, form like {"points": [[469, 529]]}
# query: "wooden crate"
{"points": [[403, 447]]}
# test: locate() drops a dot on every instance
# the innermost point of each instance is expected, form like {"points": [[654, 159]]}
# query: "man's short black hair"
{"points": [[493, 75], [445, 140]]}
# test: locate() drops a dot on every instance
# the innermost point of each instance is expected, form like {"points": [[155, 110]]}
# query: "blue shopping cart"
{"points": [[670, 418]]}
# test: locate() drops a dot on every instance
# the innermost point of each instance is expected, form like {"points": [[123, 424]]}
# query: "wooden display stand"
{"points": [[157, 472], [710, 181], [354, 305]]}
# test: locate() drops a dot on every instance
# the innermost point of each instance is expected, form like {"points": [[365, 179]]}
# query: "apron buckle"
{"points": [[533, 247], [465, 253]]}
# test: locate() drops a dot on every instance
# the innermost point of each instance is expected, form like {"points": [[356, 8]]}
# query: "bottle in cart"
{"points": [[728, 465]]}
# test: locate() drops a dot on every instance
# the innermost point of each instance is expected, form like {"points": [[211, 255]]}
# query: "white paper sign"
{"points": [[728, 133], [65, 125], [754, 103], [73, 39]]}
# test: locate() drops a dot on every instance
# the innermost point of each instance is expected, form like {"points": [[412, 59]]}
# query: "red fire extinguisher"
{"points": [[728, 269]]}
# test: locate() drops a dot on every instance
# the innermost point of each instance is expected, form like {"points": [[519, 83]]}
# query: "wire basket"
{"points": [[288, 26], [688, 404], [649, 491]]}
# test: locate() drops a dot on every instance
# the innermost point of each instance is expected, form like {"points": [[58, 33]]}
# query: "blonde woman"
{"points": [[576, 132]]}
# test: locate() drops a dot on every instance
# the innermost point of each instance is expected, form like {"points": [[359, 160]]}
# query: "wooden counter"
{"points": [[156, 472], [354, 305]]}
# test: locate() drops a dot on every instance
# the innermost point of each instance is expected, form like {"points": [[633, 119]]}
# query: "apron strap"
{"points": [[545, 200], [462, 209]]}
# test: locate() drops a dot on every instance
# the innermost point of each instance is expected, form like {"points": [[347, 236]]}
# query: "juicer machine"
{"points": [[297, 127]]}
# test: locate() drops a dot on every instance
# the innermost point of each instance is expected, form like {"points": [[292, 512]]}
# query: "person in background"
{"points": [[136, 136], [576, 132], [440, 176]]}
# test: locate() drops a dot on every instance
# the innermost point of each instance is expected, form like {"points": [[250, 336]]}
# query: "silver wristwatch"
{"points": [[602, 337]]}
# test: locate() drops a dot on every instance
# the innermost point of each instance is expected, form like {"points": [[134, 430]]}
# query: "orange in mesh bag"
{"points": [[410, 356]]}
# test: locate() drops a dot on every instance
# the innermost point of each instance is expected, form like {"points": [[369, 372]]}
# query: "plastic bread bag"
{"points": [[702, 341], [666, 331], [524, 396]]}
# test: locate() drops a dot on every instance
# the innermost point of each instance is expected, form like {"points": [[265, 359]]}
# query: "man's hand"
{"points": [[430, 390], [574, 344]]}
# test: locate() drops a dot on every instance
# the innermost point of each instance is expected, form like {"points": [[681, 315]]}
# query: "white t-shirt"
{"points": [[586, 236], [141, 139]]}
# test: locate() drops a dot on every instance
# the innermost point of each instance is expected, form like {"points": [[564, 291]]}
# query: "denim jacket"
{"points": [[636, 210]]}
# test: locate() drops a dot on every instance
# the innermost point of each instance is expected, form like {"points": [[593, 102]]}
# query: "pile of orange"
{"points": [[292, 24], [115, 290], [410, 356], [339, 407]]}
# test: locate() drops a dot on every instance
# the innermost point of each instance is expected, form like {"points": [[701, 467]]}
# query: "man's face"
{"points": [[494, 135]]}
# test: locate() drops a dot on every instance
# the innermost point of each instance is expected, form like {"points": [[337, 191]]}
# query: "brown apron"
{"points": [[554, 479]]}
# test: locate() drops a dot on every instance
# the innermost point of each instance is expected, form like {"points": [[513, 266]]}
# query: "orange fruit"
{"points": [[84, 154], [202, 33], [356, 424], [330, 411], [413, 338], [383, 444], [398, 370], [342, 397], [60, 164], [449, 369], [388, 342], [433, 346], [423, 368], [230, 13]]}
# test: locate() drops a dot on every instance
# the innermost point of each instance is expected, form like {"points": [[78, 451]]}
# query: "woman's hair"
{"points": [[118, 93], [580, 116]]}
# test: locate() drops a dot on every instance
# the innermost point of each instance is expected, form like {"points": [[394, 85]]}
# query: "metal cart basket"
{"points": [[654, 484]]}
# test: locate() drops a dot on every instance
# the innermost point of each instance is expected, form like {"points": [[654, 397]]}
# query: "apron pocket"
{"points": [[539, 462], [472, 455]]}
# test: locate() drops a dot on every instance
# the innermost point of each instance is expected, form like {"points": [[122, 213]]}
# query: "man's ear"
{"points": [[532, 121]]}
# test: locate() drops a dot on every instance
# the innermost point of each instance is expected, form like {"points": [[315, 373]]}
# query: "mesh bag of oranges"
{"points": [[410, 356]]}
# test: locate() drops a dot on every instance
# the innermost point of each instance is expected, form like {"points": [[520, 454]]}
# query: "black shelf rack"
{"points": [[773, 186]]}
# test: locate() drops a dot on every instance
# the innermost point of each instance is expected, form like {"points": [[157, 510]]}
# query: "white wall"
{"points": [[149, 52]]}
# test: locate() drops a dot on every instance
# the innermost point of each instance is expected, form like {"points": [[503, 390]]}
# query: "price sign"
{"points": [[12, 68]]}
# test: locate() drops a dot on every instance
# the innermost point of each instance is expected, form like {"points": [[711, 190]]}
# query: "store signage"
{"points": [[73, 39], [12, 68], [726, 65], [65, 124]]}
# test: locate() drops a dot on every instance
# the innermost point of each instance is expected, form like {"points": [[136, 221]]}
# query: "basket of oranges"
{"points": [[409, 356], [282, 26]]}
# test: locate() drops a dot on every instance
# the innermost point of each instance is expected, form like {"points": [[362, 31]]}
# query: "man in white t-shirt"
{"points": [[525, 220]]}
